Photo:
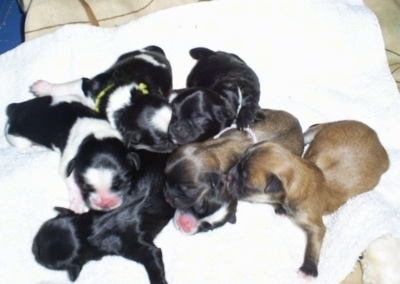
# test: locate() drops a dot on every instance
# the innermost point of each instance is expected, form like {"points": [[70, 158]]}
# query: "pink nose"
{"points": [[107, 202]]}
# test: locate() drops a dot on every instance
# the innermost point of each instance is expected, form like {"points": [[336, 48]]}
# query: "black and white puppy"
{"points": [[95, 163], [69, 241], [198, 114], [139, 81], [230, 76]]}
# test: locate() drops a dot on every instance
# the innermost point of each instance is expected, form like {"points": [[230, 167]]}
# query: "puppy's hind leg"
{"points": [[151, 257], [43, 88]]}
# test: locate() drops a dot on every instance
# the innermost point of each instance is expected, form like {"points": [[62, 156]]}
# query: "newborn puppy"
{"points": [[228, 75], [344, 158], [196, 172], [198, 114], [69, 241], [138, 81], [95, 163]]}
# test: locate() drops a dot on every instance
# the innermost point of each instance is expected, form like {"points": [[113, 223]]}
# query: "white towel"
{"points": [[321, 60]]}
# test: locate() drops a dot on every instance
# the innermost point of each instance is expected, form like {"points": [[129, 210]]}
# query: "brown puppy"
{"points": [[196, 172], [344, 159]]}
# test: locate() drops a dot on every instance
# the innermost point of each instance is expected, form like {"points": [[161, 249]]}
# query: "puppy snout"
{"points": [[106, 203]]}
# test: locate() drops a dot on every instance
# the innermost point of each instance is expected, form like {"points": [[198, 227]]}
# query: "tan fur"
{"points": [[220, 154], [344, 159]]}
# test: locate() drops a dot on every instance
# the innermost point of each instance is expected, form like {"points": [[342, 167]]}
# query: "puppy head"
{"points": [[103, 170], [216, 209], [198, 114], [144, 124], [190, 175], [264, 173], [57, 246]]}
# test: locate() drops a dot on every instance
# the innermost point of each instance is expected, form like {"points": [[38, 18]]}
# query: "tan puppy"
{"points": [[196, 172], [344, 159]]}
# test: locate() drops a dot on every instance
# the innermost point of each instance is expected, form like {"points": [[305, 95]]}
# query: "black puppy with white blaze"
{"points": [[230, 76], [69, 241], [139, 81], [198, 114], [95, 163]]}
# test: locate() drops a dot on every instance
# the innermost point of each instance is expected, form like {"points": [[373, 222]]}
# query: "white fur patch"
{"points": [[99, 179], [118, 99], [172, 96], [217, 216], [151, 60], [160, 120], [82, 128], [18, 141]]}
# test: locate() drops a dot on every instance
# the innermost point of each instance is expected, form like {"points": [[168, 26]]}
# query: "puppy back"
{"points": [[349, 153]]}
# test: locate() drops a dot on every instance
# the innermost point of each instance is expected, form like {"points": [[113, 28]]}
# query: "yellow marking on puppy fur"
{"points": [[100, 96], [143, 88]]}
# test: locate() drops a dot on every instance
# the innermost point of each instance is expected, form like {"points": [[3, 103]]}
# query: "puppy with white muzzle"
{"points": [[139, 81], [196, 172], [69, 241], [344, 158], [95, 164]]}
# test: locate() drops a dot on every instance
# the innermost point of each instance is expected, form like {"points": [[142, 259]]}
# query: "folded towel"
{"points": [[320, 60]]}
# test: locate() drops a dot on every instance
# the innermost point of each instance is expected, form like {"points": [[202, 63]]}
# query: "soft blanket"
{"points": [[321, 60]]}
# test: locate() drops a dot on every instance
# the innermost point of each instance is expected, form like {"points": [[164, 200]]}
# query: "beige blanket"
{"points": [[45, 16]]}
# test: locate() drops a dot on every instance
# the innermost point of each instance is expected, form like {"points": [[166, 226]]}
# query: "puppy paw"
{"points": [[41, 88], [308, 270], [244, 118], [279, 210], [77, 206]]}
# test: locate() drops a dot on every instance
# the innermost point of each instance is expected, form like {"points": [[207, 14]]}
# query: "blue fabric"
{"points": [[11, 25]]}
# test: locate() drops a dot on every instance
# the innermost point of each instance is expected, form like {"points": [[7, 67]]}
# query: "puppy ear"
{"points": [[198, 52], [274, 185], [70, 167], [134, 160], [63, 211], [73, 271]]}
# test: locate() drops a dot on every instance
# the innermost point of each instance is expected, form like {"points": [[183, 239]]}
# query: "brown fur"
{"points": [[344, 159], [197, 163]]}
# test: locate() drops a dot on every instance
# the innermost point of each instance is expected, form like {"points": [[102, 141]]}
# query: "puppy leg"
{"points": [[76, 201], [150, 256], [43, 88], [315, 230]]}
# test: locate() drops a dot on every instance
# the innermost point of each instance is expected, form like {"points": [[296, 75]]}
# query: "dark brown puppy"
{"points": [[196, 172], [344, 159]]}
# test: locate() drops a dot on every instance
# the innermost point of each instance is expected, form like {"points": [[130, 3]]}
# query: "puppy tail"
{"points": [[199, 52]]}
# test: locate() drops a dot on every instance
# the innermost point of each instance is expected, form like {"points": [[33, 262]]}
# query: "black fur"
{"points": [[49, 123], [69, 241], [198, 114], [44, 124], [226, 73], [157, 79]]}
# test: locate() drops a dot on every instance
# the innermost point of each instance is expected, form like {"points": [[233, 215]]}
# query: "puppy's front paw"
{"points": [[244, 118], [41, 88]]}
